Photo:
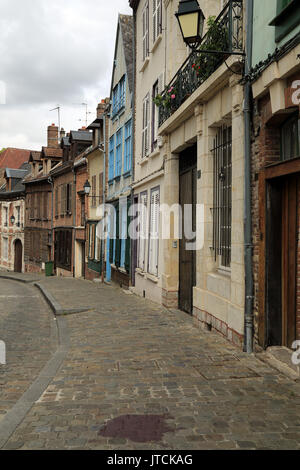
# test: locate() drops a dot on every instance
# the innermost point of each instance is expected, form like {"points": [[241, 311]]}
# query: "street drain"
{"points": [[137, 428]]}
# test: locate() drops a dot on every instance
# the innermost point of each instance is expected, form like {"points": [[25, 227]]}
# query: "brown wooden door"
{"points": [[187, 257], [289, 258], [18, 256]]}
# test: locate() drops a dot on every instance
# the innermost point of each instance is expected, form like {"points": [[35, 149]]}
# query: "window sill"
{"points": [[117, 179], [127, 174], [157, 41], [155, 153], [144, 160], [140, 272], [152, 278], [145, 64]]}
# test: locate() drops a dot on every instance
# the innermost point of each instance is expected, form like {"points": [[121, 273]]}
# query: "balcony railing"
{"points": [[224, 37]]}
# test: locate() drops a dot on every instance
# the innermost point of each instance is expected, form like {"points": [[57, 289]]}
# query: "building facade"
{"points": [[275, 79], [12, 214], [120, 155], [189, 166]]}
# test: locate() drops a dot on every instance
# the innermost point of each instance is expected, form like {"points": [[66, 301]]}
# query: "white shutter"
{"points": [[154, 233], [143, 231], [161, 84], [146, 126], [146, 32]]}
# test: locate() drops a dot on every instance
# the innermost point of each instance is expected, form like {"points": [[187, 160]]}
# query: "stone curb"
{"points": [[18, 279], [55, 306], [18, 412]]}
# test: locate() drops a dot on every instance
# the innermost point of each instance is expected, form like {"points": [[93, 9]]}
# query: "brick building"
{"points": [[12, 212], [276, 173], [39, 209]]}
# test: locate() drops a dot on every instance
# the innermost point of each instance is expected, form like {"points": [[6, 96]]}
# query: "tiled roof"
{"points": [[49, 152], [13, 158], [126, 24], [85, 136], [35, 156]]}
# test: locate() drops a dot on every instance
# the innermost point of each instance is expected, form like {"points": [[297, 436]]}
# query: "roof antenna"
{"points": [[58, 108], [87, 112]]}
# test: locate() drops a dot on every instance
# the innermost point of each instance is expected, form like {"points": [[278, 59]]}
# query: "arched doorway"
{"points": [[18, 256]]}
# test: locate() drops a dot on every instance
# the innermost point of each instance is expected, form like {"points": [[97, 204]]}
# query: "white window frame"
{"points": [[143, 222], [145, 32], [157, 19], [154, 224], [146, 126], [5, 248], [5, 216]]}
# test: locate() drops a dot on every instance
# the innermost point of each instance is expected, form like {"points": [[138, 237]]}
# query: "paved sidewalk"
{"points": [[128, 357]]}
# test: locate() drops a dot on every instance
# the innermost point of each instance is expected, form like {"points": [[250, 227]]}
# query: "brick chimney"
{"points": [[53, 136], [101, 108]]}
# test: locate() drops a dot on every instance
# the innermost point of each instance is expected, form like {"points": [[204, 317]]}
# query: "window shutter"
{"points": [[118, 241], [147, 125], [143, 231], [154, 20], [154, 233], [146, 32], [161, 84], [128, 241]]}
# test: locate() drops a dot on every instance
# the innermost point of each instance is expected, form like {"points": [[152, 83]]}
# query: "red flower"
{"points": [[194, 65]]}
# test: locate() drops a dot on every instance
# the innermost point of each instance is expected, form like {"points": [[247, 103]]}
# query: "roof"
{"points": [[85, 136], [50, 152], [65, 142], [126, 24], [35, 156], [19, 174], [13, 158], [95, 124], [134, 4]]}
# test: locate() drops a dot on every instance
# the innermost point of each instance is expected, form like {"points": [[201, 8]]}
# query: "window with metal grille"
{"points": [[222, 194]]}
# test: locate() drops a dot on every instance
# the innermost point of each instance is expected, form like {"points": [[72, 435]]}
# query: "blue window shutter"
{"points": [[111, 157], [119, 142], [128, 143]]}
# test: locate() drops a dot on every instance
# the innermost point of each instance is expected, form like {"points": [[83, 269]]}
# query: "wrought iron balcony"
{"points": [[224, 38]]}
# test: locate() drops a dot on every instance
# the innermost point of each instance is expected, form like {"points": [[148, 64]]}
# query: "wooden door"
{"points": [[18, 256], [187, 256], [289, 259]]}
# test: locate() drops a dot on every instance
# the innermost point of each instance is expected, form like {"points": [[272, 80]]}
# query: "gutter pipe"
{"points": [[249, 285]]}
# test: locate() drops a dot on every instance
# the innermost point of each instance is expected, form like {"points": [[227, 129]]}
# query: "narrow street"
{"points": [[133, 376]]}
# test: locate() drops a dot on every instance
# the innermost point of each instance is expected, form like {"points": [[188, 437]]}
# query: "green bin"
{"points": [[49, 268]]}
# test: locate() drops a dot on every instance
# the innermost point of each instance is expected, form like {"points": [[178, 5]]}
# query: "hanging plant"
{"points": [[166, 98]]}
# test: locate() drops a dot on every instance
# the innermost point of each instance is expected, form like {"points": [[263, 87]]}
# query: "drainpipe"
{"points": [[74, 217], [50, 181], [132, 260], [104, 186], [249, 286]]}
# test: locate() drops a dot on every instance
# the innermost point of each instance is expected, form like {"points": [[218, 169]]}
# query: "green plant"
{"points": [[166, 98]]}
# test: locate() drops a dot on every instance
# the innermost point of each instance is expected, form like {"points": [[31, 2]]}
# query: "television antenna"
{"points": [[58, 108], [87, 112]]}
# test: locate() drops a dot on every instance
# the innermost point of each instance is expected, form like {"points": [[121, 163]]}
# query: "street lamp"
{"points": [[191, 21], [12, 220], [87, 187]]}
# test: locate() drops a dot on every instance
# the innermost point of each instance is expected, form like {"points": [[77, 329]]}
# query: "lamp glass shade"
{"points": [[87, 188], [12, 219], [191, 21]]}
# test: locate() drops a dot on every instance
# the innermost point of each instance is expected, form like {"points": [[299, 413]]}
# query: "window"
{"points": [[119, 96], [287, 18], [18, 209], [154, 232], [119, 142], [222, 194], [94, 189], [82, 214], [290, 138], [69, 192], [5, 216], [5, 248], [157, 18], [123, 211], [101, 188], [146, 125], [111, 172], [155, 111], [56, 202], [146, 32], [45, 207], [142, 231], [128, 147]]}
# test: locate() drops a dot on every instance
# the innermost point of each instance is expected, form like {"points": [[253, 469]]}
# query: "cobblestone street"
{"points": [[127, 356]]}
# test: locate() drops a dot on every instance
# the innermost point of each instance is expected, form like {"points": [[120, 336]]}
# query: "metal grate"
{"points": [[222, 203]]}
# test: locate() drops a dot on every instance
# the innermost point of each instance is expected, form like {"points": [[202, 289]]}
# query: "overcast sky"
{"points": [[53, 52]]}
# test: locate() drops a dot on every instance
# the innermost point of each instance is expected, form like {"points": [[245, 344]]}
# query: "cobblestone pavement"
{"points": [[25, 327], [128, 356]]}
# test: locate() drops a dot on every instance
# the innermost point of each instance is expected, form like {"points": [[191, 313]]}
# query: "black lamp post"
{"points": [[12, 220], [191, 21], [87, 187]]}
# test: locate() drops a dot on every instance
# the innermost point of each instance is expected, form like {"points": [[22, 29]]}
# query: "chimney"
{"points": [[101, 108], [53, 136], [62, 133]]}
